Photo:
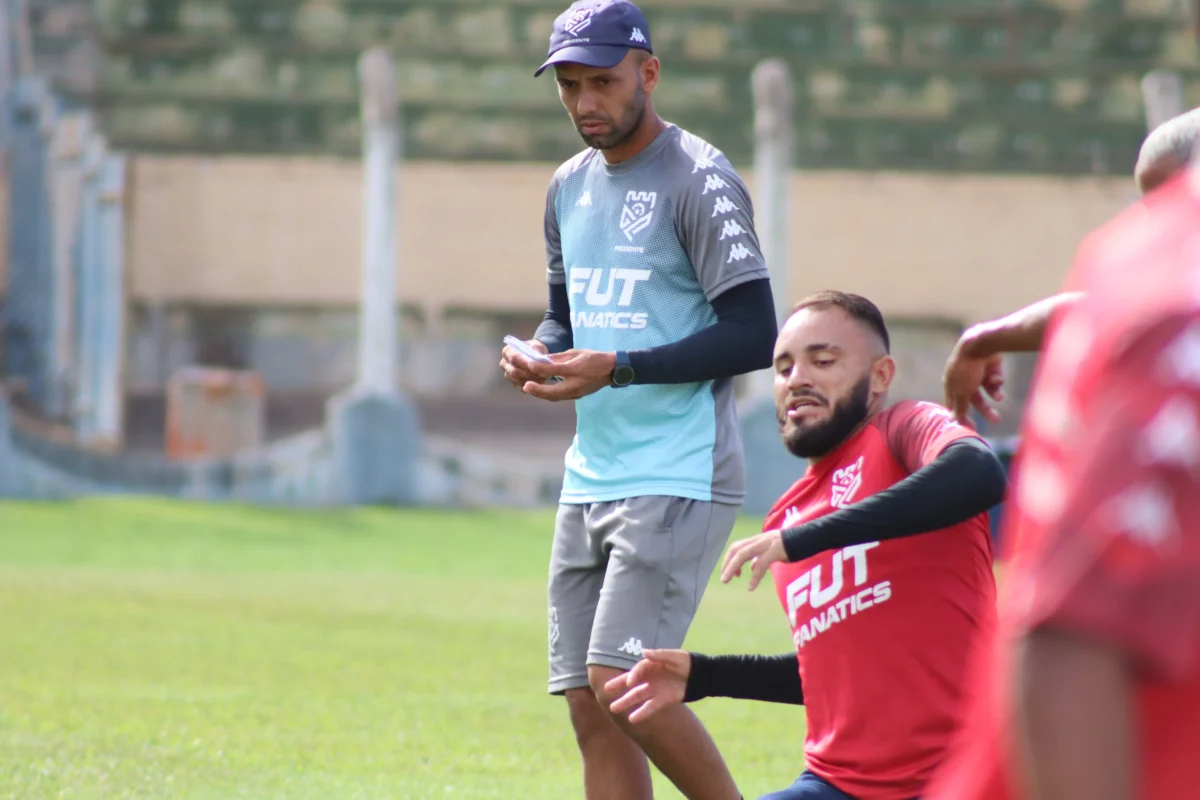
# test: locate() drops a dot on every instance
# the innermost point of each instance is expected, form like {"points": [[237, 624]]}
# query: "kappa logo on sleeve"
{"points": [[713, 182], [723, 205], [1181, 359], [1145, 514], [732, 229], [1172, 437], [738, 252]]}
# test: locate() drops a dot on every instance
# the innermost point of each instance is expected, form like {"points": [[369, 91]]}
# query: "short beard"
{"points": [[820, 440], [622, 129]]}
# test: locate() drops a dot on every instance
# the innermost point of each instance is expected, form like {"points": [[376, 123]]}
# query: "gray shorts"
{"points": [[627, 575]]}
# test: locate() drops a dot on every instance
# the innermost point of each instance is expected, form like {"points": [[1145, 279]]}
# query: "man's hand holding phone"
{"points": [[516, 357]]}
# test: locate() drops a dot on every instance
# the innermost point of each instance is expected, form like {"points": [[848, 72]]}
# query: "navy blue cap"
{"points": [[597, 33]]}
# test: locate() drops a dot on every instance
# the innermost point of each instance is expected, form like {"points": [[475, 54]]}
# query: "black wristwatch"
{"points": [[622, 374]]}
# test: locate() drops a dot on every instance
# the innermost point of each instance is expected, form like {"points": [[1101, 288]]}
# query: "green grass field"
{"points": [[154, 649]]}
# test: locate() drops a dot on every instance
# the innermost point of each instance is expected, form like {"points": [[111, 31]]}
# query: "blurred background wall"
{"points": [[949, 156]]}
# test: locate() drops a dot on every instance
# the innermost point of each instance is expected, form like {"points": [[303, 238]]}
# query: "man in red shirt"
{"points": [[881, 558], [1091, 689]]}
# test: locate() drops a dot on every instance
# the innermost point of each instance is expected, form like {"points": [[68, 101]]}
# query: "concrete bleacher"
{"points": [[931, 85]]}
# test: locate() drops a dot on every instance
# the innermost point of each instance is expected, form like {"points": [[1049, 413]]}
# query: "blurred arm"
{"points": [[1020, 332], [1076, 718]]}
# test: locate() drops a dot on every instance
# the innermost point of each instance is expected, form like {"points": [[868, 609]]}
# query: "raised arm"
{"points": [[975, 366]]}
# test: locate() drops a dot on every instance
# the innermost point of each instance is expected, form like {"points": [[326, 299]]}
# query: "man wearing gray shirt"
{"points": [[658, 298]]}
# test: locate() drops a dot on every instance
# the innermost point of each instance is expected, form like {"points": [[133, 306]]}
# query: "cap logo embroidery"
{"points": [[578, 21]]}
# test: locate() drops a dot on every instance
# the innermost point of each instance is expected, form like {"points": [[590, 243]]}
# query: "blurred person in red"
{"points": [[975, 369], [1091, 688]]}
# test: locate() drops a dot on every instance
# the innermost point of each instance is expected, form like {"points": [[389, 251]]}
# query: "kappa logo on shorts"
{"points": [[846, 482], [633, 647], [553, 632], [637, 212]]}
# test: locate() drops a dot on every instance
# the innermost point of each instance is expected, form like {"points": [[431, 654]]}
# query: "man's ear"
{"points": [[650, 71], [883, 371], [1149, 175]]}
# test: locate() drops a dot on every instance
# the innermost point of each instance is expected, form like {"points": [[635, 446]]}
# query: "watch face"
{"points": [[623, 375]]}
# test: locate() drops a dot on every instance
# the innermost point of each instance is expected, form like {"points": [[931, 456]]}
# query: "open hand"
{"points": [[582, 372], [657, 681], [761, 551], [967, 378]]}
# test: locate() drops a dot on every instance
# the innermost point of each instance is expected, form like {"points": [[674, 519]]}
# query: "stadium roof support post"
{"points": [[770, 468], [374, 430], [772, 182], [68, 151], [21, 36], [378, 343], [6, 75]]}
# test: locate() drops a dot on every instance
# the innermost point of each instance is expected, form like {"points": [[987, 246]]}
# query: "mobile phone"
{"points": [[526, 350], [530, 353]]}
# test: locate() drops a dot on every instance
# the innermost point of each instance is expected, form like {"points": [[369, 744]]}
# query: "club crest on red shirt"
{"points": [[846, 482]]}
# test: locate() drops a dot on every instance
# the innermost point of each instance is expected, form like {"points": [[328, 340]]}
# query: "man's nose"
{"points": [[587, 104], [798, 379]]}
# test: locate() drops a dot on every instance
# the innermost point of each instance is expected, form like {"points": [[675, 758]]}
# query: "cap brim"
{"points": [[601, 56]]}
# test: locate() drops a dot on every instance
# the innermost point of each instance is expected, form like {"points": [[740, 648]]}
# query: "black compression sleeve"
{"points": [[966, 479], [772, 679], [741, 340], [555, 331]]}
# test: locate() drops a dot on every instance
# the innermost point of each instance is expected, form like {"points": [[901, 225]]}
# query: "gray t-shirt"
{"points": [[643, 247]]}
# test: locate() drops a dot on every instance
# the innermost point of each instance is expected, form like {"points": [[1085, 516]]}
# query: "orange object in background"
{"points": [[214, 413]]}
